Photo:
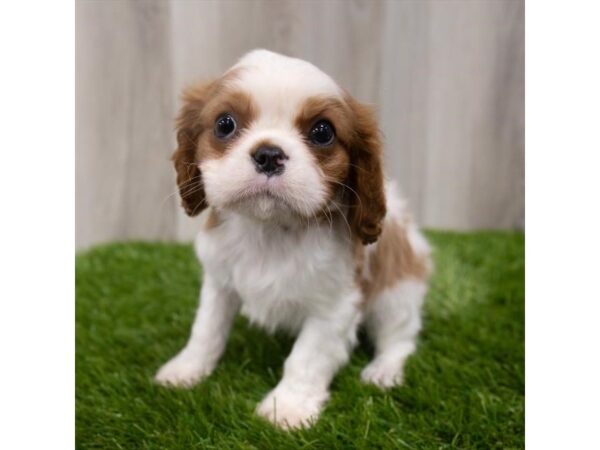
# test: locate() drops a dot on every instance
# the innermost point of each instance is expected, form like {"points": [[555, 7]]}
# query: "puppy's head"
{"points": [[277, 139]]}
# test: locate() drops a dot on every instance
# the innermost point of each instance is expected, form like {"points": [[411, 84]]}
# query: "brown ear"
{"points": [[367, 204], [185, 158]]}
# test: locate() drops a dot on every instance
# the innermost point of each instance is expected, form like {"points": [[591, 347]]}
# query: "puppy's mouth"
{"points": [[267, 197], [263, 191]]}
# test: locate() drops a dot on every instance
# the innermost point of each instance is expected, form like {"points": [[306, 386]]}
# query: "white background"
{"points": [[37, 225]]}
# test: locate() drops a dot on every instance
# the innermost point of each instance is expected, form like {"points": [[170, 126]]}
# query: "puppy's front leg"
{"points": [[322, 347], [207, 341]]}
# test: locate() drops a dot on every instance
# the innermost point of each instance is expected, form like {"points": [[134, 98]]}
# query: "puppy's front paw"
{"points": [[289, 408], [383, 373], [184, 370]]}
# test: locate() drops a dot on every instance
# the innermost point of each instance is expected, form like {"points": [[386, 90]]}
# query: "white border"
{"points": [[37, 225], [563, 224]]}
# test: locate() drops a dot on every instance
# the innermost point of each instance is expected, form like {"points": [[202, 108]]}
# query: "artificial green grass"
{"points": [[464, 388]]}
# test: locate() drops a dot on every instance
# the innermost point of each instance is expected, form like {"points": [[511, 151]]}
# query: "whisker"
{"points": [[343, 217], [185, 189], [345, 186], [358, 167]]}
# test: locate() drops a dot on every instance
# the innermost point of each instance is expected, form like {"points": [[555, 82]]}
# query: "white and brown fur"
{"points": [[317, 251]]}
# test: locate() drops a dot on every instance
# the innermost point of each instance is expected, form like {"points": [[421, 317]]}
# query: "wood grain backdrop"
{"points": [[447, 78]]}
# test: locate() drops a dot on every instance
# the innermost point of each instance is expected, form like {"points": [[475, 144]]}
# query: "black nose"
{"points": [[269, 160]]}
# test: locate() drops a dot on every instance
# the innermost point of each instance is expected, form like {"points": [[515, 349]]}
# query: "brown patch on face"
{"points": [[334, 159], [351, 165], [202, 105], [236, 103], [392, 260]]}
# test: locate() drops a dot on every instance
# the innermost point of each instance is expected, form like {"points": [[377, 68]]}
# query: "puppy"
{"points": [[299, 231]]}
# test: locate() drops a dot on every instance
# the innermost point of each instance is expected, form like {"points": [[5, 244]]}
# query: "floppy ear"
{"points": [[185, 158], [367, 204]]}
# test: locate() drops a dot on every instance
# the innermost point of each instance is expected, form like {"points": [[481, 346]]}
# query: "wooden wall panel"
{"points": [[124, 109], [446, 78]]}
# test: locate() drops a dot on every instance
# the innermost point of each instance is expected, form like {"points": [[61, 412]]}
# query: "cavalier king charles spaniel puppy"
{"points": [[299, 231]]}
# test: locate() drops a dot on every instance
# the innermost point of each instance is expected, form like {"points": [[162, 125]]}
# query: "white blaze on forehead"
{"points": [[279, 85]]}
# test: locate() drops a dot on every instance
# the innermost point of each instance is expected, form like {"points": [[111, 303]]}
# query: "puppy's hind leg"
{"points": [[393, 321]]}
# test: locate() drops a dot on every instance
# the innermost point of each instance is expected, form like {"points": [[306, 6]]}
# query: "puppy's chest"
{"points": [[280, 279]]}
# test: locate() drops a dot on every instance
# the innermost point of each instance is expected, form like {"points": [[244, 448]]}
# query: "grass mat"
{"points": [[464, 387]]}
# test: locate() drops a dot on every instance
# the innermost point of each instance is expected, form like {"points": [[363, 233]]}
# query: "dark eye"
{"points": [[225, 126], [322, 133]]}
